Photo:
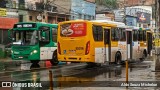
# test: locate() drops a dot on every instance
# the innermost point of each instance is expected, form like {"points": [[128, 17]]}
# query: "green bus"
{"points": [[34, 41]]}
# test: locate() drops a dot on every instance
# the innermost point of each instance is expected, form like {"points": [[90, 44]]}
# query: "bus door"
{"points": [[149, 42], [129, 45], [107, 45]]}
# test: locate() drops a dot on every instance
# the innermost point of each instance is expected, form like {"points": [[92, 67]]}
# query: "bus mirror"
{"points": [[43, 35]]}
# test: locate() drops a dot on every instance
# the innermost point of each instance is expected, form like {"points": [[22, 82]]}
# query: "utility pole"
{"points": [[125, 11], [157, 25], [45, 15], [157, 37]]}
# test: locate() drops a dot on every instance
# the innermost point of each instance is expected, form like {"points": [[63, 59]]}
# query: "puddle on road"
{"points": [[139, 73], [85, 78]]}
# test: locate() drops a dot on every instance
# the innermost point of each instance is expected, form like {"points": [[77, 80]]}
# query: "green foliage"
{"points": [[111, 4]]}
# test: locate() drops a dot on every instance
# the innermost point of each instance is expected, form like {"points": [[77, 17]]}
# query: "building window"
{"points": [[30, 18], [20, 18]]}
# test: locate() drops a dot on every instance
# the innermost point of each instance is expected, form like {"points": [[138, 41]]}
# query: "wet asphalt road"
{"points": [[78, 76]]}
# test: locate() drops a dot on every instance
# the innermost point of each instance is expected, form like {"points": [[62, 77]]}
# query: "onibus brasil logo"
{"points": [[19, 84]]}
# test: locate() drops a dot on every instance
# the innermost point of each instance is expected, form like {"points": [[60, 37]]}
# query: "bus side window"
{"points": [[144, 35], [140, 34], [122, 34], [46, 40], [97, 33], [135, 35], [54, 34], [115, 34]]}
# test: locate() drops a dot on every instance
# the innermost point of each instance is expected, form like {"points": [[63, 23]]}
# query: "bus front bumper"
{"points": [[84, 58], [25, 57]]}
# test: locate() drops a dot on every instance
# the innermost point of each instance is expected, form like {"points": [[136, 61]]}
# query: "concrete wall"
{"points": [[63, 4]]}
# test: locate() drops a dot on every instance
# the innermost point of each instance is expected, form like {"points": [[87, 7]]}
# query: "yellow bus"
{"points": [[96, 42]]}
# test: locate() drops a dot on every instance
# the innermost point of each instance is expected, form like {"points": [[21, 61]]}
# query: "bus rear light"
{"points": [[87, 48], [59, 48]]}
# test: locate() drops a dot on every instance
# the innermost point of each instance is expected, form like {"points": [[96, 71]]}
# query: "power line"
{"points": [[51, 4]]}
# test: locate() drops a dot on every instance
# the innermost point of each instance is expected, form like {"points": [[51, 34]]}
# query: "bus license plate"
{"points": [[72, 51], [20, 57]]}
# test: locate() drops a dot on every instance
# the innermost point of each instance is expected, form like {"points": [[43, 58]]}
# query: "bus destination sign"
{"points": [[26, 25]]}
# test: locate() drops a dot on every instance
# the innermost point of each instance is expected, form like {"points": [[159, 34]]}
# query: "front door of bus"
{"points": [[107, 45], [129, 45], [149, 42]]}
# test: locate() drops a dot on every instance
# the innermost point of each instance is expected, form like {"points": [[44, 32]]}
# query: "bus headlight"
{"points": [[11, 51], [34, 51]]}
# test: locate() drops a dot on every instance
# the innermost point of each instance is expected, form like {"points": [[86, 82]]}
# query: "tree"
{"points": [[111, 4]]}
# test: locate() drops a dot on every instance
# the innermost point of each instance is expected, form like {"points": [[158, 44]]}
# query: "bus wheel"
{"points": [[118, 58], [35, 61], [54, 60]]}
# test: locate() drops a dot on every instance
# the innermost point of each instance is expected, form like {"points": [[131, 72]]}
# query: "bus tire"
{"points": [[35, 61], [118, 58], [144, 54], [54, 60], [34, 66]]}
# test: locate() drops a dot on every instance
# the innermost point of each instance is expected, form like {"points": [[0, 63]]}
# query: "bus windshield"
{"points": [[75, 29], [27, 37]]}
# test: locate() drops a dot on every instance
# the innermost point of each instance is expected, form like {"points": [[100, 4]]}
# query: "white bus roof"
{"points": [[119, 24], [133, 27]]}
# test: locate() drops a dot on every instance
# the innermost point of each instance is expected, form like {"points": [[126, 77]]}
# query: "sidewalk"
{"points": [[5, 59], [8, 59]]}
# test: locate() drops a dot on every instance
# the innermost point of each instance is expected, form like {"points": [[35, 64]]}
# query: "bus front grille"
{"points": [[73, 58]]}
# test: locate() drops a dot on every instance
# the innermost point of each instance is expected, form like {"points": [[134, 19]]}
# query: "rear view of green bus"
{"points": [[34, 41]]}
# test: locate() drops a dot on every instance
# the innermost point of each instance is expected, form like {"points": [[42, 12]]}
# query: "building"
{"points": [[50, 11], [136, 13], [139, 2], [54, 11], [42, 11], [82, 9], [8, 17], [104, 13]]}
